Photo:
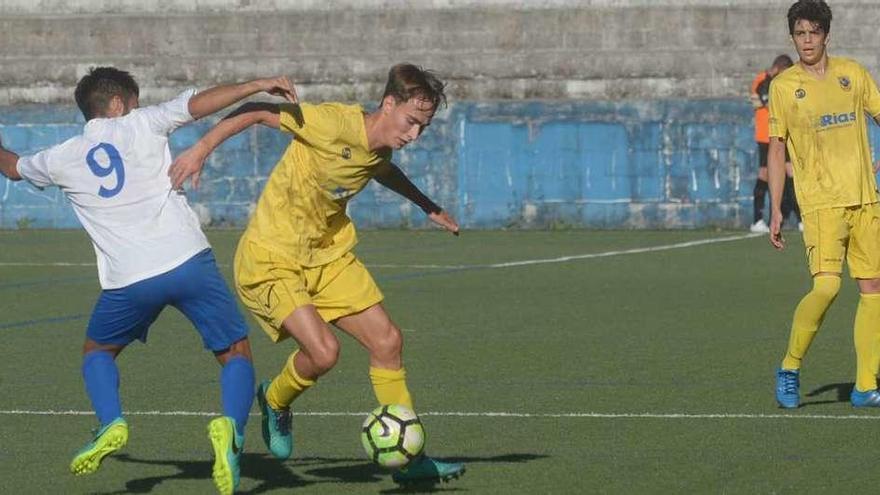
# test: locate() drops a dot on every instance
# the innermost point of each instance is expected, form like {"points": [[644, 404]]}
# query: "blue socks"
{"points": [[237, 390], [101, 377]]}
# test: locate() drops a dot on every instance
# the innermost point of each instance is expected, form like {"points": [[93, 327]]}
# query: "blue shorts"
{"points": [[195, 288]]}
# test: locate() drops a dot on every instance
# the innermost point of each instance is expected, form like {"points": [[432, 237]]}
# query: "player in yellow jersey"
{"points": [[818, 110], [294, 269]]}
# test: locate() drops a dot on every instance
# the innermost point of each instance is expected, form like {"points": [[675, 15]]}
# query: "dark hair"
{"points": [[95, 90], [406, 81], [815, 11], [783, 62]]}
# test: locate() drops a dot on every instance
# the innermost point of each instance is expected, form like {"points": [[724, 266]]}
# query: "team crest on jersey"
{"points": [[800, 93], [346, 153], [845, 83]]}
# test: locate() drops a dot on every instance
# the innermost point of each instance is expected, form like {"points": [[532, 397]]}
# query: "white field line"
{"points": [[563, 259], [573, 415], [508, 264]]}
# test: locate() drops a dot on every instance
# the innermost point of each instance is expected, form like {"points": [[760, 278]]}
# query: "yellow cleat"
{"points": [[227, 450], [107, 440]]}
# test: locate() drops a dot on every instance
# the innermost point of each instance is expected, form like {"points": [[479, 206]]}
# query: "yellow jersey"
{"points": [[301, 214], [824, 123]]}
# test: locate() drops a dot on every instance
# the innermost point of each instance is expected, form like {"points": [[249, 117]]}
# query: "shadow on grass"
{"points": [[272, 474], [842, 391], [368, 472]]}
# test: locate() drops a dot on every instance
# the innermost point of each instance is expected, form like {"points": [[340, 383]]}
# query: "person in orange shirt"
{"points": [[760, 97]]}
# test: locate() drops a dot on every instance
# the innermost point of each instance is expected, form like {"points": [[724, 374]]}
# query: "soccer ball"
{"points": [[393, 436]]}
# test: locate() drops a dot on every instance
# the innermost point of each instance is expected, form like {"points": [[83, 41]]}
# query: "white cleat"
{"points": [[759, 227]]}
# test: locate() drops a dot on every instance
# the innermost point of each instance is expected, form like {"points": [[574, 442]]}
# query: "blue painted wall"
{"points": [[643, 164]]}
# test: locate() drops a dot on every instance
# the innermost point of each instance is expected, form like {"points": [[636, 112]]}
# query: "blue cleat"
{"points": [[788, 384], [227, 451], [108, 439], [871, 398], [276, 426], [424, 469]]}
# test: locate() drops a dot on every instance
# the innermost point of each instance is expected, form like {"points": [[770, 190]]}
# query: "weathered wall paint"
{"points": [[538, 164]]}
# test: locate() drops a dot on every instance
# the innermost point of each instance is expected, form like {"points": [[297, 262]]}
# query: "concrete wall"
{"points": [[497, 49]]}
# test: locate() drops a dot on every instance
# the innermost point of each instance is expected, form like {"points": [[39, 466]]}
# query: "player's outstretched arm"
{"points": [[8, 161], [394, 179], [220, 97], [776, 180], [190, 162]]}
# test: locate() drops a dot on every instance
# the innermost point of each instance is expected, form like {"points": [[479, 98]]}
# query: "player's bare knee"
{"points": [[241, 348], [324, 361], [92, 346], [388, 343], [324, 356]]}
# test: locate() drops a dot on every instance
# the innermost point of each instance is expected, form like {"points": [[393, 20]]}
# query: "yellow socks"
{"points": [[287, 386], [807, 318], [866, 336], [390, 386]]}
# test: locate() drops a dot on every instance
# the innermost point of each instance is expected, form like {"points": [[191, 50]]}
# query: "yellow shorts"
{"points": [[272, 287], [852, 232]]}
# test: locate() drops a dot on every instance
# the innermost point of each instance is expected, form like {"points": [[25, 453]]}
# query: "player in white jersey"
{"points": [[150, 248]]}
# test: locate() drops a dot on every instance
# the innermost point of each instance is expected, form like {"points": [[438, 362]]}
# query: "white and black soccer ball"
{"points": [[392, 436]]}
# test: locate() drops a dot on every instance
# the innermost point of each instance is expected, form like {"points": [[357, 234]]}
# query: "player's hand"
{"points": [[280, 86], [776, 238], [187, 165], [443, 219], [876, 164]]}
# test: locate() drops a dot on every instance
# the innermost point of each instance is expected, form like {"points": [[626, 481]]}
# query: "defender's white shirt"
{"points": [[116, 176]]}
